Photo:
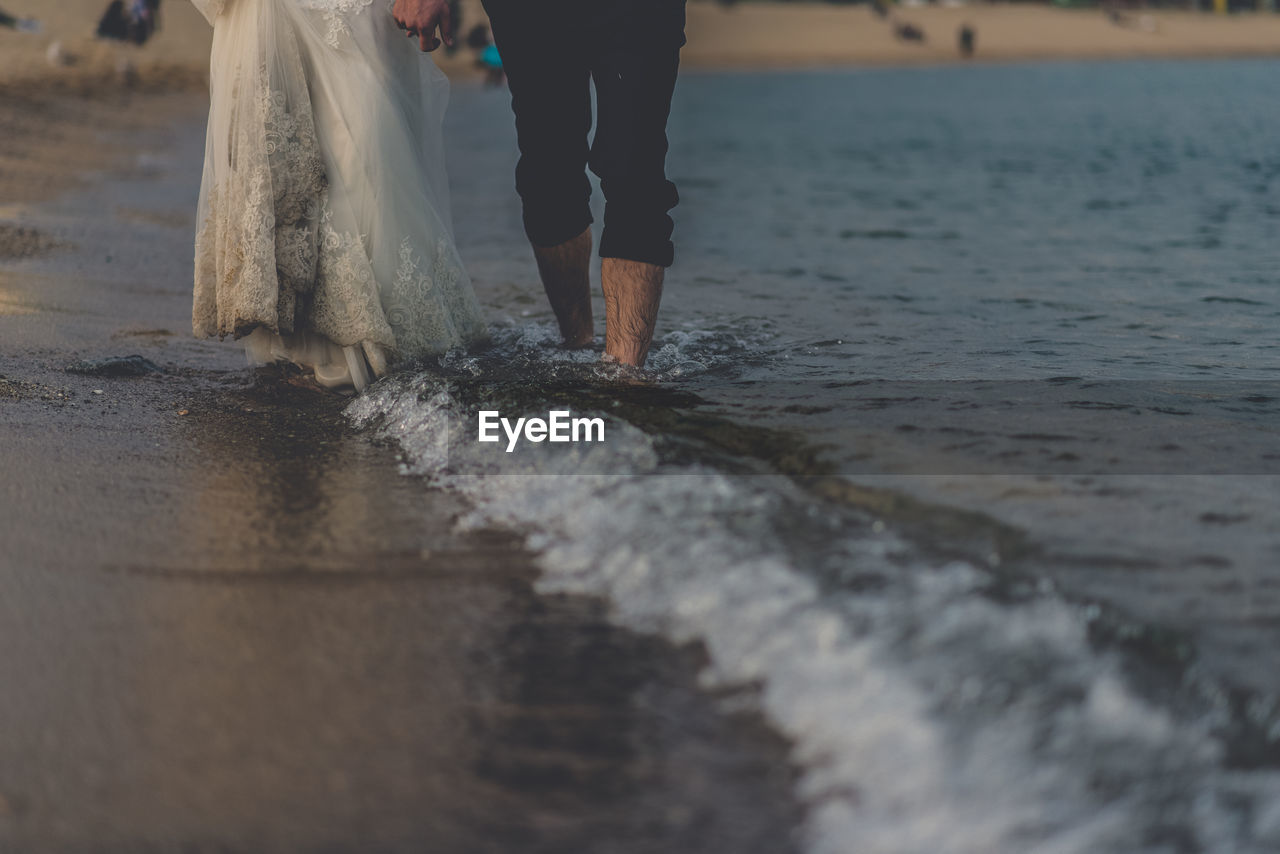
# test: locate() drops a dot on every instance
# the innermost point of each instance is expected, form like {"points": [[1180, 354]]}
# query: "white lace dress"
{"points": [[324, 231]]}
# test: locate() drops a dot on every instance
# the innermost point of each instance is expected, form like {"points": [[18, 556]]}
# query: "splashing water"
{"points": [[930, 712]]}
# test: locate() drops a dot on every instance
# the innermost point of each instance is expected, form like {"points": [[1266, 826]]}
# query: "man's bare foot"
{"points": [[632, 293], [566, 277], [621, 373]]}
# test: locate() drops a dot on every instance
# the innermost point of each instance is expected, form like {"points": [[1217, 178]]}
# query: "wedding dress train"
{"points": [[324, 233]]}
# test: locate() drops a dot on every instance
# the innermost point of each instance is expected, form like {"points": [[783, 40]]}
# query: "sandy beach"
{"points": [[224, 622], [747, 35], [804, 35], [64, 54]]}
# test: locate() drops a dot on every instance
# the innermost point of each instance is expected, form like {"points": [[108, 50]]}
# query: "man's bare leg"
{"points": [[566, 277], [632, 293]]}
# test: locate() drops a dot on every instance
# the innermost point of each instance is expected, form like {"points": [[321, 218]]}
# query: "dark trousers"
{"points": [[552, 51]]}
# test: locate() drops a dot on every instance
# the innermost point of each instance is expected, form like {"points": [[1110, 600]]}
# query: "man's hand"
{"points": [[421, 18]]}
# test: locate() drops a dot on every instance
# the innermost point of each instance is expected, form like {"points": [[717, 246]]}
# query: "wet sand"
{"points": [[226, 623]]}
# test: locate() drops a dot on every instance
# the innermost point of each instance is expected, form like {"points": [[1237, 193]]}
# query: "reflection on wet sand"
{"points": [[306, 656], [226, 625], [275, 490]]}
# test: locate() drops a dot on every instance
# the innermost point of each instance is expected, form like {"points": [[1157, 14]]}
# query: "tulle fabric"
{"points": [[325, 235]]}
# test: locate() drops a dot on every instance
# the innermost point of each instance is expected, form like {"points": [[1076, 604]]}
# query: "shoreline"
{"points": [[229, 620], [819, 64], [841, 67]]}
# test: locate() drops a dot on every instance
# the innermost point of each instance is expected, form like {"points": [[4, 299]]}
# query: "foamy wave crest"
{"points": [[926, 714]]}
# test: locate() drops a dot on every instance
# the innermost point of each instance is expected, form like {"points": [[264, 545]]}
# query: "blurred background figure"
{"points": [[25, 25], [57, 56], [966, 39], [908, 32], [488, 59], [132, 21], [478, 37], [491, 62]]}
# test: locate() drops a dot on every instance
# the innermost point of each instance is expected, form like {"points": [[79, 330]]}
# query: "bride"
{"points": [[324, 234]]}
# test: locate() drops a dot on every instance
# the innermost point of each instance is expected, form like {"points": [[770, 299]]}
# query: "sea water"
{"points": [[958, 443]]}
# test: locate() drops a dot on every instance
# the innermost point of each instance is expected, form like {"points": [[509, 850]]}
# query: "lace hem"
{"points": [[257, 248], [280, 247]]}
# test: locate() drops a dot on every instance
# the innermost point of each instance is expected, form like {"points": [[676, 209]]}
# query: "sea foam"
{"points": [[926, 714]]}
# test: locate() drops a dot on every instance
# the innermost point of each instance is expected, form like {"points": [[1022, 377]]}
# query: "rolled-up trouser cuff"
{"points": [[658, 254], [555, 193], [546, 231], [637, 226]]}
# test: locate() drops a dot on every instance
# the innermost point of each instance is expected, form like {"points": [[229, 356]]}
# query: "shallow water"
{"points": [[1110, 220], [225, 624], [959, 440]]}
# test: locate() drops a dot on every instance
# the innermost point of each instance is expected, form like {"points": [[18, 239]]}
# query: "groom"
{"points": [[552, 50]]}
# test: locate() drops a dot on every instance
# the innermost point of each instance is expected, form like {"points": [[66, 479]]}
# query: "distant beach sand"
{"points": [[809, 35], [745, 36]]}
